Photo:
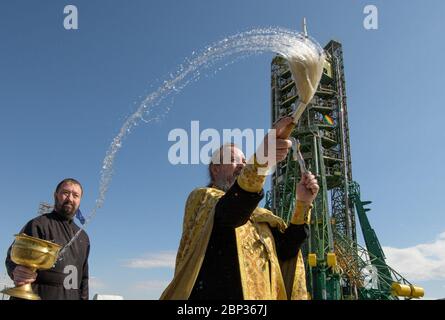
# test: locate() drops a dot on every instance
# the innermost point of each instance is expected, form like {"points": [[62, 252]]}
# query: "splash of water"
{"points": [[289, 44]]}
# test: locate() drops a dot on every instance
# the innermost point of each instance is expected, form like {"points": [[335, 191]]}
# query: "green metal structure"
{"points": [[337, 266]]}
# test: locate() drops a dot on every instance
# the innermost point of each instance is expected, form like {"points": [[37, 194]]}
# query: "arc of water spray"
{"points": [[293, 46]]}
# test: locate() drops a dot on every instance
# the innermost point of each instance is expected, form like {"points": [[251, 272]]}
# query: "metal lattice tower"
{"points": [[337, 266]]}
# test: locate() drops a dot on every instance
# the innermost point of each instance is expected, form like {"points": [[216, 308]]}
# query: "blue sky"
{"points": [[65, 94]]}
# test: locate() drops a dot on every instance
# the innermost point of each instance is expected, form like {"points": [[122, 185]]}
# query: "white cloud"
{"points": [[422, 262], [155, 260]]}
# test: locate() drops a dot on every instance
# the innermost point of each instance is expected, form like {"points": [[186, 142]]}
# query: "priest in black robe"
{"points": [[68, 278]]}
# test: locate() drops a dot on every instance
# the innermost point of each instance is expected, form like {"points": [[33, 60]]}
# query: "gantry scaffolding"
{"points": [[337, 266]]}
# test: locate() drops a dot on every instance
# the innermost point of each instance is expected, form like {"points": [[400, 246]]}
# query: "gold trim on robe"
{"points": [[263, 277]]}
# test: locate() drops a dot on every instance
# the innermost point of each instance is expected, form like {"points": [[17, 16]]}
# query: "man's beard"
{"points": [[66, 209], [224, 183]]}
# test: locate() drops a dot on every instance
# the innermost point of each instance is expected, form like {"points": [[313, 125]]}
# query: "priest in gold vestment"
{"points": [[231, 249]]}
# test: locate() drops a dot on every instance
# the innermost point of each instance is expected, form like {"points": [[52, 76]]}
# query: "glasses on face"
{"points": [[67, 193]]}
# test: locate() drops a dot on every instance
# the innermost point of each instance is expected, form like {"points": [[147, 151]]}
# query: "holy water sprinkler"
{"points": [[306, 65]]}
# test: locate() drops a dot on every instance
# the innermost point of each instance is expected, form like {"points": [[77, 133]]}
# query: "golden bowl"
{"points": [[35, 254]]}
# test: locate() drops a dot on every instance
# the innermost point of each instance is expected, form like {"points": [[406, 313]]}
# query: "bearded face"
{"points": [[224, 175], [67, 199]]}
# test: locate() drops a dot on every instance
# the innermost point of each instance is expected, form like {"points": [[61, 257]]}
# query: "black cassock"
{"points": [[68, 279]]}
